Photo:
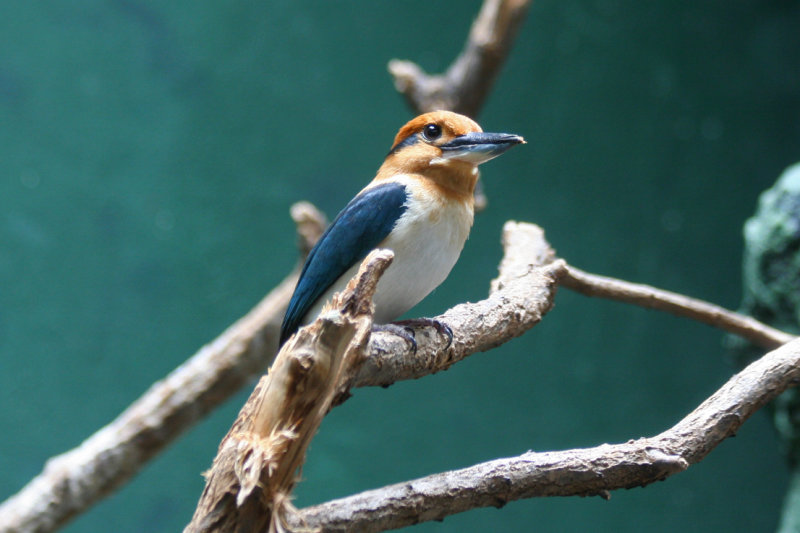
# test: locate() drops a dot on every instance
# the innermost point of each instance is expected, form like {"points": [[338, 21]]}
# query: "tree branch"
{"points": [[255, 469], [521, 295], [72, 482], [518, 299], [523, 292], [75, 480], [584, 472], [677, 304], [466, 84]]}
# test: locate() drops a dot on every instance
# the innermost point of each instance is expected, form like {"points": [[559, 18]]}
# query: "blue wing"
{"points": [[356, 231]]}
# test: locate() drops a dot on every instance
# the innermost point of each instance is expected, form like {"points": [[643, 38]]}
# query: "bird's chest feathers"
{"points": [[427, 240], [430, 227]]}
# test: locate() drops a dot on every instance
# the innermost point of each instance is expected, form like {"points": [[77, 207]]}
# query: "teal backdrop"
{"points": [[150, 152]]}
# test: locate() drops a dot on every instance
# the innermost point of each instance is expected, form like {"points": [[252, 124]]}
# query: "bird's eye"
{"points": [[431, 132]]}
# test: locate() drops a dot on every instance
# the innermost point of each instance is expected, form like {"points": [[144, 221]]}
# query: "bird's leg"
{"points": [[440, 327], [404, 332]]}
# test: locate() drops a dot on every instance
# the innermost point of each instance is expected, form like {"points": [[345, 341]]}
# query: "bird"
{"points": [[420, 205]]}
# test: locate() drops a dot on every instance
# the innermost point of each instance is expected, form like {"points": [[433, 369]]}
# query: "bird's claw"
{"points": [[440, 327], [404, 332]]}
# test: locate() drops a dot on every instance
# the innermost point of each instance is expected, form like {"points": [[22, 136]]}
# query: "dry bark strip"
{"points": [[248, 486], [584, 472]]}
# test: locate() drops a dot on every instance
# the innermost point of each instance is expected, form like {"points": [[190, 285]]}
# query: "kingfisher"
{"points": [[420, 205]]}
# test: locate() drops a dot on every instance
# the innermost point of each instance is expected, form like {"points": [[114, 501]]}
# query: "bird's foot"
{"points": [[440, 327], [405, 333], [405, 329]]}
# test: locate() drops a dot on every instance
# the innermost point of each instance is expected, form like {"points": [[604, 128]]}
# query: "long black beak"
{"points": [[477, 148]]}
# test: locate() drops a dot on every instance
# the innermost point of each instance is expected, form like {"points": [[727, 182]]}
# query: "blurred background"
{"points": [[150, 152]]}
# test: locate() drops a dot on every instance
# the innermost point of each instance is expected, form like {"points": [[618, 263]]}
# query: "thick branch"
{"points": [[677, 304], [466, 84], [255, 495], [518, 299], [75, 480], [591, 471], [522, 293], [255, 469]]}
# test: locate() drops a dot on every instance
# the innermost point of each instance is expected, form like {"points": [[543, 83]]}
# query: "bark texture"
{"points": [[580, 472], [73, 481], [248, 486], [519, 297]]}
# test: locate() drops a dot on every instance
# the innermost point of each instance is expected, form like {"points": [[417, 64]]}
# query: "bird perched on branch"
{"points": [[420, 206]]}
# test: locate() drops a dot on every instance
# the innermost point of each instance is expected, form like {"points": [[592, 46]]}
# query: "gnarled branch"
{"points": [[255, 469], [521, 295], [591, 471], [75, 480]]}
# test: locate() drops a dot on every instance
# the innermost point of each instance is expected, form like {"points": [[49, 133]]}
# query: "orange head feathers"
{"points": [[451, 124], [446, 148]]}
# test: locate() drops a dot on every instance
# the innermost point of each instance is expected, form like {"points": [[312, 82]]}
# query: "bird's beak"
{"points": [[477, 148]]}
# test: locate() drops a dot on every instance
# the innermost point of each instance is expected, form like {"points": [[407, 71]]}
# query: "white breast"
{"points": [[426, 242]]}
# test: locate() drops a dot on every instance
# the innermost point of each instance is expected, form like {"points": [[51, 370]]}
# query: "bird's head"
{"points": [[445, 147]]}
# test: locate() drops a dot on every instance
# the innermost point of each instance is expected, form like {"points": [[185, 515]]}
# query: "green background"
{"points": [[150, 152]]}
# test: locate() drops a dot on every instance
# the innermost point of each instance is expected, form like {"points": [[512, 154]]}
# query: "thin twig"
{"points": [[677, 304]]}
